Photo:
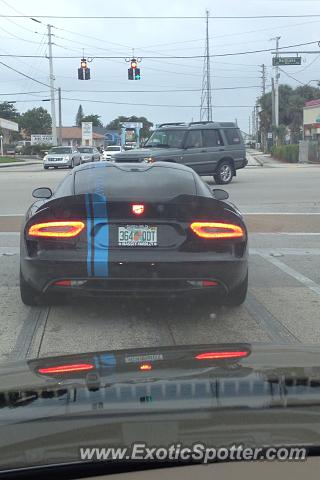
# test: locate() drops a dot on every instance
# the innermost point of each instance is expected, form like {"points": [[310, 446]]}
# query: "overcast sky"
{"points": [[152, 37]]}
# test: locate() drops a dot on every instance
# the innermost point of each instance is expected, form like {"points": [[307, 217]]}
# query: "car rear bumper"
{"points": [[130, 278]]}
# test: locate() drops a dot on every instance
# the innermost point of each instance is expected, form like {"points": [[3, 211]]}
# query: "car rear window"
{"points": [[155, 183], [233, 136]]}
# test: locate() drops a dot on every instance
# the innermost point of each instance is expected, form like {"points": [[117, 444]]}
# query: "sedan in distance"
{"points": [[89, 154], [111, 150], [62, 157], [133, 229]]}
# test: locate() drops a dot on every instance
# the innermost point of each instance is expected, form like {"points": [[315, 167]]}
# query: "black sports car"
{"points": [[133, 229]]}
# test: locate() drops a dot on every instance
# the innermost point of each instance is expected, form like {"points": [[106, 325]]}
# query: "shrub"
{"points": [[288, 153]]}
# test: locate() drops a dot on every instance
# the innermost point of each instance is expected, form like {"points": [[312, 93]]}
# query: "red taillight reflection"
{"points": [[137, 209], [222, 354], [72, 367], [209, 283], [217, 230], [63, 283], [65, 229], [145, 366]]}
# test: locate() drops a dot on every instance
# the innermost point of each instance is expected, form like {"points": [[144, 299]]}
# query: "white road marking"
{"points": [[315, 287], [285, 251]]}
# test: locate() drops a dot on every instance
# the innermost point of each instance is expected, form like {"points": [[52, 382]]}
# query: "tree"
{"points": [[144, 132], [8, 111], [291, 103], [95, 119], [37, 120], [79, 116]]}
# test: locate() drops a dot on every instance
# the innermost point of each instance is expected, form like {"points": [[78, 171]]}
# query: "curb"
{"points": [[18, 164], [258, 160]]}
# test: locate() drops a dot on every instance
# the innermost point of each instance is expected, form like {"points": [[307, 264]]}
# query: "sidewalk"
{"points": [[257, 158], [21, 164]]}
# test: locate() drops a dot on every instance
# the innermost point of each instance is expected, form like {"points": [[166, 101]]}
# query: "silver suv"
{"points": [[209, 148]]}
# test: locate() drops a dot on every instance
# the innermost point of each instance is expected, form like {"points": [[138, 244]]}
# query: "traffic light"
{"points": [[137, 74], [83, 71], [134, 71]]}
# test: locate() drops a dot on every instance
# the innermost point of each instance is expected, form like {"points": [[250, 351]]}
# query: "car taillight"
{"points": [[65, 229], [222, 354], [67, 368], [217, 230], [137, 209], [145, 367]]}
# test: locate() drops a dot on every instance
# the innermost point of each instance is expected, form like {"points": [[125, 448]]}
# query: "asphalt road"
{"points": [[282, 208]]}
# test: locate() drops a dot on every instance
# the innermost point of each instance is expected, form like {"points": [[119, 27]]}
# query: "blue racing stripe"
{"points": [[101, 236]]}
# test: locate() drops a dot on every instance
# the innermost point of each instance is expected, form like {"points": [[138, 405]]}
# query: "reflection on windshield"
{"points": [[166, 139]]}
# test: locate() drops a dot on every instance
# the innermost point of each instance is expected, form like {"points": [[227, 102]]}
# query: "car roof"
{"points": [[156, 181], [196, 125]]}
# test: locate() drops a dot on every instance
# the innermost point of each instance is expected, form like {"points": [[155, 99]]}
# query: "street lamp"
{"points": [[1, 145]]}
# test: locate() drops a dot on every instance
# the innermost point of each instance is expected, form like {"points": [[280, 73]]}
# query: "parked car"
{"points": [[9, 149], [62, 157], [111, 150], [209, 148], [89, 154]]}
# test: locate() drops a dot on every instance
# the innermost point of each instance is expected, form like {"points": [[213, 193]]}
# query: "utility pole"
{"points": [[249, 127], [276, 83], [263, 78], [206, 94], [52, 90], [60, 116]]}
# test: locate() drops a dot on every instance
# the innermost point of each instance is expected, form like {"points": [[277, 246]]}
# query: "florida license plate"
{"points": [[137, 236]]}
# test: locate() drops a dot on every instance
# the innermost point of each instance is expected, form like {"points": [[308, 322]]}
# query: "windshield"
{"points": [[113, 149], [60, 150], [159, 230], [166, 138], [85, 150]]}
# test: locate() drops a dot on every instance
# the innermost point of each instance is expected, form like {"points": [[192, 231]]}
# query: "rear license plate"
{"points": [[137, 236]]}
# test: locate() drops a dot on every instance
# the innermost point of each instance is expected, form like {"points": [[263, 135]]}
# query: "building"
{"points": [[73, 136], [311, 120]]}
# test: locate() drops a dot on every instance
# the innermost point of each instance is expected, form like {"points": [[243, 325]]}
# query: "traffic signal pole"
{"points": [[53, 106], [60, 116]]}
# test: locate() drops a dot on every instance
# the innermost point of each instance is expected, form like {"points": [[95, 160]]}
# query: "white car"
{"points": [[62, 157], [110, 151]]}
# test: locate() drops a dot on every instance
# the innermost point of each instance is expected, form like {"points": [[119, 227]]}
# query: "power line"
{"points": [[133, 91], [149, 57], [152, 105], [162, 17], [24, 75]]}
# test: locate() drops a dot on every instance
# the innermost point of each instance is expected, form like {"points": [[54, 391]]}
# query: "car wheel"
{"points": [[92, 159], [29, 295], [72, 164], [55, 168], [238, 295], [46, 168], [224, 173]]}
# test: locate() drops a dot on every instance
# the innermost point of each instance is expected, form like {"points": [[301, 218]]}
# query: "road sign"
{"points": [[86, 133], [281, 61], [132, 124], [41, 139]]}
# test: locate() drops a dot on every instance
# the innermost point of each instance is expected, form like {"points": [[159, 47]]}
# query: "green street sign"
{"points": [[280, 61]]}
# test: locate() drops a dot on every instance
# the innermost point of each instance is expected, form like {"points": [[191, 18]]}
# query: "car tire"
{"points": [[72, 164], [224, 173], [237, 296], [29, 295], [92, 159], [46, 168]]}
